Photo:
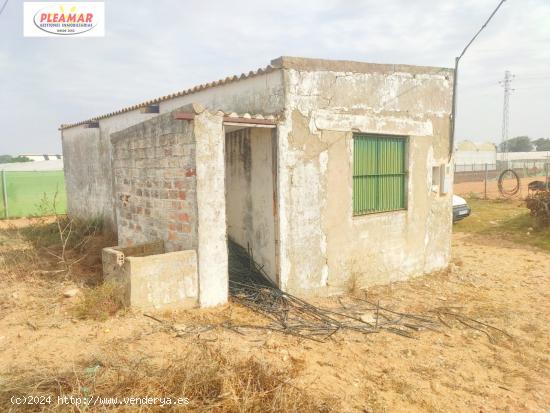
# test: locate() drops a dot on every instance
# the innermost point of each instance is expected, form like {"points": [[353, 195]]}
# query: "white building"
{"points": [[44, 157], [473, 157]]}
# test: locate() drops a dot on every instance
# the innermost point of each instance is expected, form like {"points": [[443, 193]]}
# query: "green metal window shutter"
{"points": [[379, 174]]}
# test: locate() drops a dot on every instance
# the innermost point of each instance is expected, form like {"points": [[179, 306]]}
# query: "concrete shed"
{"points": [[329, 172]]}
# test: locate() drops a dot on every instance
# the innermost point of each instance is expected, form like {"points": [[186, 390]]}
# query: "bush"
{"points": [[539, 205], [101, 302]]}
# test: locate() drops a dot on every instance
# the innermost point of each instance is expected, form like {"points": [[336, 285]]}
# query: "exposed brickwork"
{"points": [[155, 184]]}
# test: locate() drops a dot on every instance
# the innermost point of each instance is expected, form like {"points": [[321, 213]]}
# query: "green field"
{"points": [[505, 219], [32, 193]]}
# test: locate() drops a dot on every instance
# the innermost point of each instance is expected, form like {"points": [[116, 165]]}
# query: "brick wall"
{"points": [[155, 183]]}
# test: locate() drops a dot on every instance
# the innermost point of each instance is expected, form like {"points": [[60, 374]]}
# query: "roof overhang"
{"points": [[245, 121]]}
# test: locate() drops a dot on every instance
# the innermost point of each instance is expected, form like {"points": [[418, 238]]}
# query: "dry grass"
{"points": [[47, 352], [100, 302], [353, 286], [54, 248], [52, 251], [504, 219], [208, 378], [49, 250]]}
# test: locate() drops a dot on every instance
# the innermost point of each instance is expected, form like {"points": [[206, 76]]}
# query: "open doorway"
{"points": [[250, 182]]}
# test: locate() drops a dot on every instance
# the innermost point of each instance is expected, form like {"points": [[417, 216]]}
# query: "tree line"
{"points": [[524, 144], [12, 159]]}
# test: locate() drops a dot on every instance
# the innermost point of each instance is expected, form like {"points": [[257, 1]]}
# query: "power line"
{"points": [[481, 29], [517, 78], [533, 77], [531, 88], [3, 7]]}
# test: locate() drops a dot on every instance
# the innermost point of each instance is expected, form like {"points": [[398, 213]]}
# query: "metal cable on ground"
{"points": [[286, 314], [251, 287], [508, 192]]}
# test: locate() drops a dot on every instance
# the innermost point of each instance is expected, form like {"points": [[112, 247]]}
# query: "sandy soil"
{"points": [[477, 188], [458, 369], [24, 222]]}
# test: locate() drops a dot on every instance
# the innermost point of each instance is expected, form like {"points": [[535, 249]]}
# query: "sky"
{"points": [[153, 48]]}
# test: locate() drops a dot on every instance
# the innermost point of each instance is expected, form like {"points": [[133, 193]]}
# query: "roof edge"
{"points": [[313, 64], [194, 89], [282, 62]]}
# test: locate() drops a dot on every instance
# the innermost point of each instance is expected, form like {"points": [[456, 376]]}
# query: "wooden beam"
{"points": [[250, 121], [249, 125], [230, 120], [184, 116]]}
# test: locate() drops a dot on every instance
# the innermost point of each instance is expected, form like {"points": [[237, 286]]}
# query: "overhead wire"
{"points": [[3, 7]]}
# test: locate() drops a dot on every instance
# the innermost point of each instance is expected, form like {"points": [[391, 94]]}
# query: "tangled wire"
{"points": [[284, 313], [287, 314], [507, 174]]}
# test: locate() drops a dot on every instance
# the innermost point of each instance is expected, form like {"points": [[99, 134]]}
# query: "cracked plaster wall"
{"points": [[322, 245]]}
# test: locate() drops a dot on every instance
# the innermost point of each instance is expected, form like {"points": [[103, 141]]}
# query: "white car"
{"points": [[460, 208]]}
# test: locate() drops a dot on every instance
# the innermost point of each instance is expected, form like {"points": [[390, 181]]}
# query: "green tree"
{"points": [[12, 159], [517, 144], [542, 144]]}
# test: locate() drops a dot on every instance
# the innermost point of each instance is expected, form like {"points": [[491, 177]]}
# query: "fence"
{"points": [[481, 180], [475, 167], [32, 193]]}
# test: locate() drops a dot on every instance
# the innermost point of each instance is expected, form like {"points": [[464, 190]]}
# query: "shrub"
{"points": [[101, 302], [539, 205]]}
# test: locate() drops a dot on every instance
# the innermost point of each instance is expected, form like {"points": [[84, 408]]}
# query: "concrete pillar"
{"points": [[212, 245]]}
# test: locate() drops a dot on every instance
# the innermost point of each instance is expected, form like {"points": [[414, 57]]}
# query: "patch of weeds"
{"points": [[353, 286], [539, 205], [208, 378], [63, 232], [101, 302]]}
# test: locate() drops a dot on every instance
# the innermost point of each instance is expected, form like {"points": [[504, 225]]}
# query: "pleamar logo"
{"points": [[64, 19]]}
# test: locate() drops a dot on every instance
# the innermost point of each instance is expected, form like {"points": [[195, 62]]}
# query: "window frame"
{"points": [[404, 173]]}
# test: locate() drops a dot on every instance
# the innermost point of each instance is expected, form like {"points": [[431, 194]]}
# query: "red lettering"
{"points": [[62, 18]]}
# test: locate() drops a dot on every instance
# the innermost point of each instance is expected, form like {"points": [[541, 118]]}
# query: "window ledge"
{"points": [[379, 214]]}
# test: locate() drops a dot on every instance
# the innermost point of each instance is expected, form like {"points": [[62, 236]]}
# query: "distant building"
{"points": [[41, 165], [524, 156], [42, 157], [472, 157]]}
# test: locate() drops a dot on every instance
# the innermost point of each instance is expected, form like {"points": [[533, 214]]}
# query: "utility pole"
{"points": [[507, 85], [455, 80]]}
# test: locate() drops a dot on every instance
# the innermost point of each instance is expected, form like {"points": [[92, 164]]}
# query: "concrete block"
{"points": [[152, 279]]}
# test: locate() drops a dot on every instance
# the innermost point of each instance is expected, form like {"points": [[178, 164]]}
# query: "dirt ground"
{"points": [[456, 369], [477, 188]]}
